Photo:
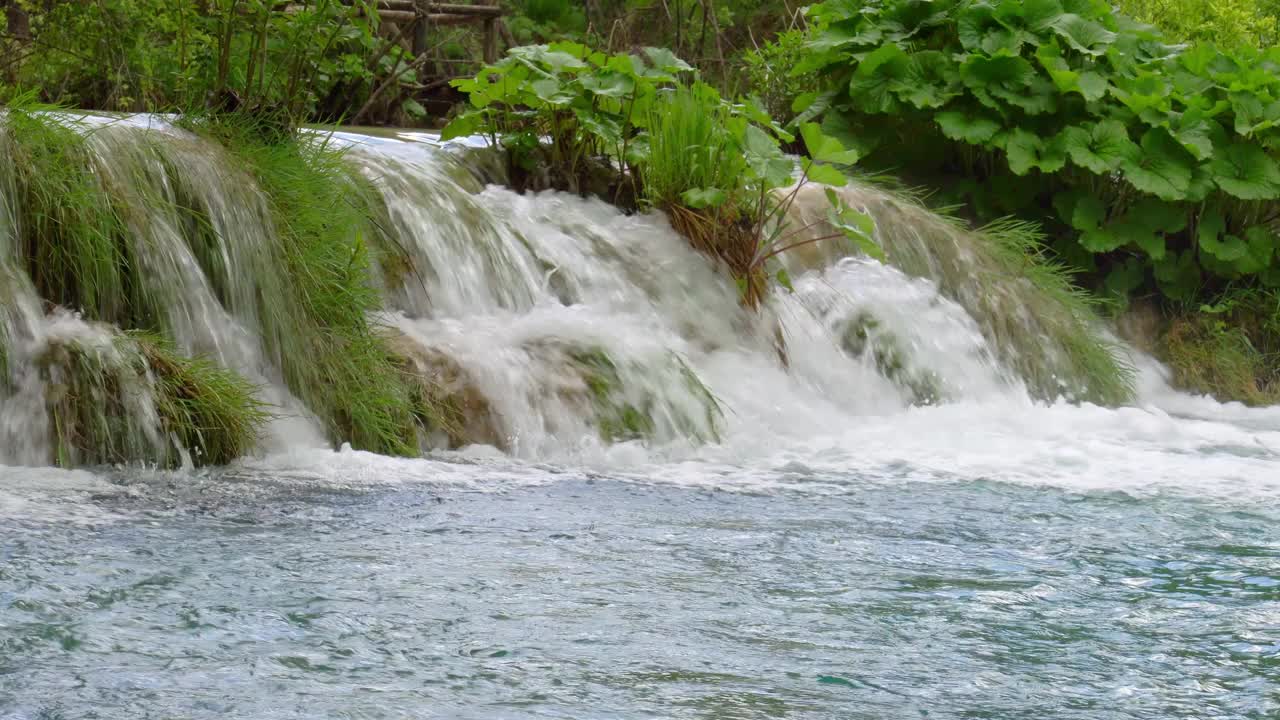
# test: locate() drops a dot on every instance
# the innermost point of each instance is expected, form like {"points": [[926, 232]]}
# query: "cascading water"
{"points": [[867, 500], [570, 326]]}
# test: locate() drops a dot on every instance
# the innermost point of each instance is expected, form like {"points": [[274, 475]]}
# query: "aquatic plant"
{"points": [[126, 398]]}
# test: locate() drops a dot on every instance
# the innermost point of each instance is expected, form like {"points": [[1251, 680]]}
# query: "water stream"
{"points": [[883, 521]]}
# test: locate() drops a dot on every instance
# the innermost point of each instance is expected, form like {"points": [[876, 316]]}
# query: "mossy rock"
{"points": [[446, 402], [118, 398]]}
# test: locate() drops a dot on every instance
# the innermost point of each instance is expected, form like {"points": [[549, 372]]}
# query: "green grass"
{"points": [[212, 412], [316, 292], [71, 234], [689, 148], [131, 398], [1230, 349]]}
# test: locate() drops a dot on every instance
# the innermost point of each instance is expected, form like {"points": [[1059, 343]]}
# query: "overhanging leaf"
{"points": [[1163, 168], [972, 129], [1244, 170]]}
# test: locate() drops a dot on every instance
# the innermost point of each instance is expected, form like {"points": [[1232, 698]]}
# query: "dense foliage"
{"points": [[1150, 163], [1227, 23], [671, 142], [321, 60]]}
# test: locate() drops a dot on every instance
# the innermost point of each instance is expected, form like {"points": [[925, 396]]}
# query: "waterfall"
{"points": [[552, 326]]}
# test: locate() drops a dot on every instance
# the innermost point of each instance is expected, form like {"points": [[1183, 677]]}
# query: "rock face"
{"points": [[449, 407]]}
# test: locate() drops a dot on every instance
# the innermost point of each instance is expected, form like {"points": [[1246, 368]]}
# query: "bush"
{"points": [[716, 167], [1151, 165]]}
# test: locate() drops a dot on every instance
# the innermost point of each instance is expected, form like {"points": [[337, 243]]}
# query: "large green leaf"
{"points": [[972, 129], [825, 148], [698, 198], [1101, 148], [1026, 151], [1163, 169], [1178, 275], [1125, 277], [1088, 213], [823, 174], [871, 86], [931, 80], [609, 83], [765, 159], [1244, 170], [1086, 36], [666, 61], [1102, 240]]}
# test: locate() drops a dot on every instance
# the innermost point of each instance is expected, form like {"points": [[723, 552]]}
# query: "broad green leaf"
{"points": [[699, 198], [607, 129], [825, 148], [1026, 151], [765, 159], [824, 174], [552, 92], [1210, 227], [871, 84], [1102, 240], [609, 83], [972, 129], [1244, 170], [1088, 213], [784, 279], [859, 228], [1145, 91], [1178, 275], [980, 71], [1227, 248], [464, 125], [666, 61], [1125, 277], [413, 108], [1151, 243], [1101, 148], [1086, 36], [1163, 169], [1151, 215], [1262, 246], [1093, 86]]}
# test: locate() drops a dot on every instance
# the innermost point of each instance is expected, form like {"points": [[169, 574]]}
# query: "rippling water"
{"points": [[350, 586]]}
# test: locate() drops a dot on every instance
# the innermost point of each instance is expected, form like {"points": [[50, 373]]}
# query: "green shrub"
{"points": [[716, 167], [1159, 164], [769, 73]]}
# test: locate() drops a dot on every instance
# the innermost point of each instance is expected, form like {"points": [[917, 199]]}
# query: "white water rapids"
{"points": [[505, 285]]}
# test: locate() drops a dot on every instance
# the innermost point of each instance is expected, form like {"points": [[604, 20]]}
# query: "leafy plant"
{"points": [[715, 166], [1159, 162]]}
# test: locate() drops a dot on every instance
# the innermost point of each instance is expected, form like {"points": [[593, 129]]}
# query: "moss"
{"points": [[129, 398], [1038, 322], [1230, 350], [621, 414], [863, 333]]}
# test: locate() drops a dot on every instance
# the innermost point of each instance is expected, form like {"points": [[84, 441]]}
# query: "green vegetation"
{"points": [[130, 398], [1151, 167], [314, 294], [623, 413], [716, 167], [323, 60], [1226, 23]]}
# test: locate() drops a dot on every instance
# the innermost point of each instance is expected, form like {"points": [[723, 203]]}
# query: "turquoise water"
{"points": [[573, 595]]}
